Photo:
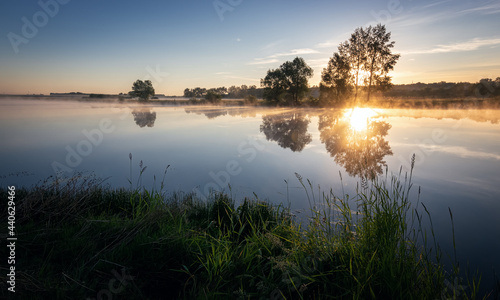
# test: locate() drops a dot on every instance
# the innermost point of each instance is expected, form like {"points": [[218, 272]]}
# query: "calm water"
{"points": [[260, 150]]}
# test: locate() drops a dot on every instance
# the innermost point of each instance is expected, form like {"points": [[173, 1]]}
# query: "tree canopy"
{"points": [[142, 90], [213, 96], [289, 83], [336, 81], [364, 60]]}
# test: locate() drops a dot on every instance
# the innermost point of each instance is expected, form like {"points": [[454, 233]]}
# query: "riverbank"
{"points": [[78, 238]]}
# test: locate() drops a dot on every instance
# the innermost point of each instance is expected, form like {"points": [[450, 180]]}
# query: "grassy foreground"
{"points": [[80, 240]]}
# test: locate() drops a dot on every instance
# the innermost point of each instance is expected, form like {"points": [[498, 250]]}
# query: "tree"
{"points": [[287, 84], [336, 81], [380, 59], [354, 51], [188, 93], [199, 92], [142, 89], [364, 59], [213, 97]]}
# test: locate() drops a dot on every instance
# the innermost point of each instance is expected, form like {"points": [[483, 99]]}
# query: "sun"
{"points": [[359, 117]]}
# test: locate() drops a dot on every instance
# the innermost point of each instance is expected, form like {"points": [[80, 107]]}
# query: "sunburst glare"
{"points": [[359, 117]]}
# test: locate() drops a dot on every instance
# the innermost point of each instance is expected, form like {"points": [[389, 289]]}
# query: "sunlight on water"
{"points": [[360, 117]]}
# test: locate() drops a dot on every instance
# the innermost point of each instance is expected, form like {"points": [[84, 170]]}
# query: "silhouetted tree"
{"points": [[144, 117], [287, 84], [336, 81], [213, 97], [361, 153], [188, 93], [380, 59], [199, 92], [142, 90], [365, 58], [289, 130]]}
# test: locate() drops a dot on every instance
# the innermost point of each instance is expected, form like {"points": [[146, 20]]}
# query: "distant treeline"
{"points": [[485, 88], [446, 90], [233, 92]]}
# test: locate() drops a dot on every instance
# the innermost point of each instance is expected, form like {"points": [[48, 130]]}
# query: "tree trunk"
{"points": [[371, 77], [357, 82]]}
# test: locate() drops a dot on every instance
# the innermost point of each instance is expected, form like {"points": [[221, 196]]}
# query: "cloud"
{"points": [[262, 61], [415, 20], [222, 73], [318, 63], [273, 58], [272, 45], [327, 44], [435, 4], [424, 15], [470, 45], [487, 9], [243, 78], [294, 52]]}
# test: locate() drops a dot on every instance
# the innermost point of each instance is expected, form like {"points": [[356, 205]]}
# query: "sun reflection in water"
{"points": [[359, 118]]}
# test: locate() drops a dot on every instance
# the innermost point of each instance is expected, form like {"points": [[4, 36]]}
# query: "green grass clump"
{"points": [[81, 239]]}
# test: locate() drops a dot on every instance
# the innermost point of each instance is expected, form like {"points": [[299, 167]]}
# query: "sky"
{"points": [[104, 46]]}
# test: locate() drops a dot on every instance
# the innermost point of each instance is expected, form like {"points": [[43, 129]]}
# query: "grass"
{"points": [[79, 238]]}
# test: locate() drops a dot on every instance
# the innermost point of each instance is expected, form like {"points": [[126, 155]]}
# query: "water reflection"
{"points": [[210, 113], [356, 141], [144, 117], [289, 130], [214, 112]]}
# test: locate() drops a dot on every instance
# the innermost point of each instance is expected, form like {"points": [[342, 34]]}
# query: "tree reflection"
{"points": [[210, 113], [144, 117], [356, 143], [289, 130]]}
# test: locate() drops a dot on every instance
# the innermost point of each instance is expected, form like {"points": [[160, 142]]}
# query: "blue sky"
{"points": [[103, 46]]}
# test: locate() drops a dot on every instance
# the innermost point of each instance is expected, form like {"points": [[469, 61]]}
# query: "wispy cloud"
{"points": [[294, 52], [318, 63], [272, 45], [262, 61], [243, 78], [424, 15], [327, 44], [487, 9], [470, 45], [435, 4], [273, 58], [222, 73]]}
